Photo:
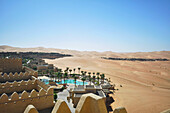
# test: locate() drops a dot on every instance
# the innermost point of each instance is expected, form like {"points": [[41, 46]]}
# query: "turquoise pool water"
{"points": [[68, 81]]}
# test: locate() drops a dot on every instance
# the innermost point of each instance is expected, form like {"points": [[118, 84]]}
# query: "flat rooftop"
{"points": [[98, 87], [78, 89], [90, 87], [101, 93], [81, 86], [78, 95], [106, 91]]}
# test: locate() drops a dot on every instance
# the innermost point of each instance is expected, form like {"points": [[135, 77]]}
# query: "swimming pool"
{"points": [[68, 81]]}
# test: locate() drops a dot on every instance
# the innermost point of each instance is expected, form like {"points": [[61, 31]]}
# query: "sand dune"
{"points": [[157, 54], [138, 93]]}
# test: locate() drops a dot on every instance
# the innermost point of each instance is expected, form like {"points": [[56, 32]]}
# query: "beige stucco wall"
{"points": [[89, 103], [61, 107], [17, 86], [17, 76], [75, 101], [19, 105], [42, 67], [13, 65], [16, 104], [31, 71]]}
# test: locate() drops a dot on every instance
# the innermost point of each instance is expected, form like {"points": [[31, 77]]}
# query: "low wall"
{"points": [[11, 65], [31, 71], [75, 101], [17, 86], [89, 103], [42, 85], [17, 103], [16, 77]]}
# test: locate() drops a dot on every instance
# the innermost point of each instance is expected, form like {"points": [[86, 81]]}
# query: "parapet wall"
{"points": [[8, 65], [18, 86], [23, 85], [16, 103], [16, 77], [41, 85], [89, 103], [31, 71]]}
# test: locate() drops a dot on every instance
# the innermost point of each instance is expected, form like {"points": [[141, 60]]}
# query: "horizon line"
{"points": [[83, 50]]}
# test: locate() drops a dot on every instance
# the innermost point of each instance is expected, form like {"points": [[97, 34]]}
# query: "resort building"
{"points": [[8, 65], [50, 66], [77, 92], [21, 88], [45, 67], [42, 67], [22, 92]]}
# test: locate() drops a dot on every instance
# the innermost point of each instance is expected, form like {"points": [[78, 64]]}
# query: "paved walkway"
{"points": [[64, 94]]}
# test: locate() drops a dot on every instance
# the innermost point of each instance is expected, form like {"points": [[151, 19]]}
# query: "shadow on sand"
{"points": [[109, 101]]}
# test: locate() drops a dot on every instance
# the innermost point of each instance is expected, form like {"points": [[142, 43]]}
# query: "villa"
{"points": [[22, 88], [77, 92], [22, 92]]}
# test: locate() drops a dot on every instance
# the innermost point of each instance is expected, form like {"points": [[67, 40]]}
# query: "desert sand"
{"points": [[145, 85]]}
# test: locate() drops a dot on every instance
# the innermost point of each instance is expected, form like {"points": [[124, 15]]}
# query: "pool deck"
{"points": [[67, 81]]}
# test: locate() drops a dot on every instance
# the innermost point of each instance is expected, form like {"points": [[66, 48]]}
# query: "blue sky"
{"points": [[93, 25]]}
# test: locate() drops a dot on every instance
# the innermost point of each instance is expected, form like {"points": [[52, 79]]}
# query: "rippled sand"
{"points": [[146, 85]]}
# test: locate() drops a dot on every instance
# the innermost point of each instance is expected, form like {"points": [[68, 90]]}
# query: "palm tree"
{"points": [[102, 77], [67, 68], [94, 78], [79, 69], [51, 75], [65, 76], [75, 78], [59, 70], [44, 73], [89, 73], [90, 80], [89, 76], [55, 75], [83, 79], [70, 71], [73, 75], [98, 74], [98, 80], [61, 75], [52, 72], [47, 71], [85, 72], [109, 80], [82, 72], [74, 70], [58, 75], [39, 72]]}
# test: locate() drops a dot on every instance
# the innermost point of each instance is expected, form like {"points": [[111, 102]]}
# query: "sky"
{"points": [[86, 25]]}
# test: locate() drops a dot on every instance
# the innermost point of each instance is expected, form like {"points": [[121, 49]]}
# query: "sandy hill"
{"points": [[157, 54], [146, 85]]}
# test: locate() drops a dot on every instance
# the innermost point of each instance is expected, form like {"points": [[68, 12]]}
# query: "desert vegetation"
{"points": [[137, 59]]}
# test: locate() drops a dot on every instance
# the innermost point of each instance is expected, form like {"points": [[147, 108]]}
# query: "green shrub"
{"points": [[55, 96]]}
